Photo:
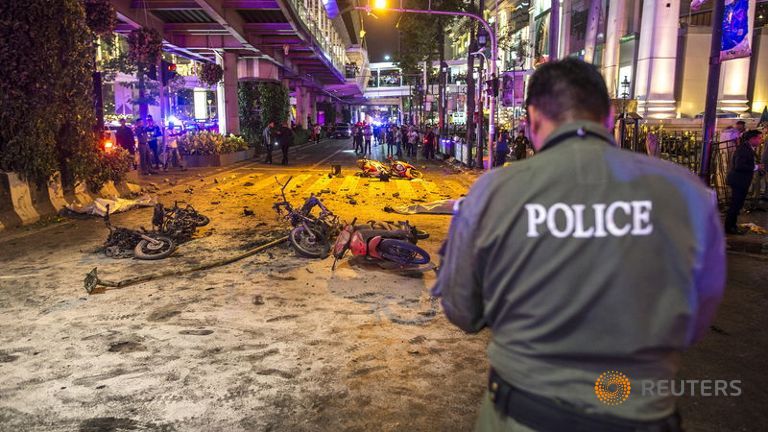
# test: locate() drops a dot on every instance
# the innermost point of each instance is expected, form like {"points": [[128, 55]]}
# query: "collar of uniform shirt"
{"points": [[569, 129]]}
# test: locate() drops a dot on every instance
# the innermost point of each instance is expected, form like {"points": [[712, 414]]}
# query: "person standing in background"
{"points": [[285, 138], [145, 154], [268, 137], [521, 145], [740, 176], [153, 132]]}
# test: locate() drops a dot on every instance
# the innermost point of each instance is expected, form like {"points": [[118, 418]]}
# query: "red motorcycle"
{"points": [[403, 169], [393, 168], [395, 244]]}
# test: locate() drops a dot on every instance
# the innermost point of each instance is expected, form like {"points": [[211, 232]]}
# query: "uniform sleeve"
{"points": [[459, 282], [710, 275]]}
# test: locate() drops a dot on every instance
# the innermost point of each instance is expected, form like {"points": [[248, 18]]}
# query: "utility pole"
{"points": [[713, 86], [479, 155], [554, 29], [441, 79], [470, 117], [593, 17]]}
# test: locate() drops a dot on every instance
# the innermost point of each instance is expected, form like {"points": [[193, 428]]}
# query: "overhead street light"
{"points": [[382, 5], [387, 57]]}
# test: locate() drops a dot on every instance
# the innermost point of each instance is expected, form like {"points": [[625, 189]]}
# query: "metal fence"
{"points": [[682, 148]]}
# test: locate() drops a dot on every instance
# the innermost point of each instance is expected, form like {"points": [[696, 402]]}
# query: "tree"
{"points": [[47, 121]]}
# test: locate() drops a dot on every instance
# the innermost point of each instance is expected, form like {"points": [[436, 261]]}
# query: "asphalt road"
{"points": [[276, 342]]}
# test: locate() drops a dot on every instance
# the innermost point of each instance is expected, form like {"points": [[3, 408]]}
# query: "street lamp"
{"points": [[382, 5], [387, 57]]}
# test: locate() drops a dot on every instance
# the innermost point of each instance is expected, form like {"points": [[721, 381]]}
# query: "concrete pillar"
{"points": [[221, 104], [656, 60], [616, 28], [565, 38], [302, 106], [229, 116], [734, 77], [312, 102]]}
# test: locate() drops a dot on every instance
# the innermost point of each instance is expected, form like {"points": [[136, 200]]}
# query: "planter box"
{"points": [[195, 161]]}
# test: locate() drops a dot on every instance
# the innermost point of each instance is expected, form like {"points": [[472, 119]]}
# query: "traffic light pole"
{"points": [[491, 69]]}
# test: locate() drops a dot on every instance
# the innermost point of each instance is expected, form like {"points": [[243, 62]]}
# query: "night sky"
{"points": [[381, 35]]}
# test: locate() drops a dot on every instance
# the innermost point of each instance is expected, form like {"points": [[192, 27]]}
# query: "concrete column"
{"points": [[565, 38], [302, 106], [734, 77], [312, 108], [229, 116], [656, 60], [616, 28]]}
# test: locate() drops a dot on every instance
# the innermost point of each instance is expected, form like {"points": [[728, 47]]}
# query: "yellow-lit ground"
{"points": [[276, 342]]}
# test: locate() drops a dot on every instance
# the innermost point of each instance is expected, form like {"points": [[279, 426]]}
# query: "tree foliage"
{"points": [[250, 111], [47, 117], [260, 103], [419, 35]]}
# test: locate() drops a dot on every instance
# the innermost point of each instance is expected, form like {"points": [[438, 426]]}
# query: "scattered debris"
{"points": [[189, 190], [280, 277], [308, 270], [247, 212], [248, 184], [258, 300], [215, 202], [352, 201], [215, 180], [396, 194]]}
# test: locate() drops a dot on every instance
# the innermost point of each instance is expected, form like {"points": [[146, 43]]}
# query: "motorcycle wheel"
{"points": [[415, 174], [403, 252], [308, 247], [201, 220], [149, 251]]}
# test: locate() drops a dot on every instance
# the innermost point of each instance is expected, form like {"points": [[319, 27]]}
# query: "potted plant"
{"points": [[213, 149]]}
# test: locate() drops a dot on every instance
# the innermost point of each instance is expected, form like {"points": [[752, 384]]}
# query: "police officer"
{"points": [[740, 176], [582, 260]]}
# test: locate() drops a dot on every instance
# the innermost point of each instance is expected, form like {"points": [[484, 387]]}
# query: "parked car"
{"points": [[342, 130]]}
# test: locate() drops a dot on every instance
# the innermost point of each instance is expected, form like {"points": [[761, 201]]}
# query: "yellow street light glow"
{"points": [[379, 4]]}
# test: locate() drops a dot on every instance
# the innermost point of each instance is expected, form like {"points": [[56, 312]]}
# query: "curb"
{"points": [[24, 203]]}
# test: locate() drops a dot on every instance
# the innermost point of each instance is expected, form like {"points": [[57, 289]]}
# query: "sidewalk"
{"points": [[751, 242]]}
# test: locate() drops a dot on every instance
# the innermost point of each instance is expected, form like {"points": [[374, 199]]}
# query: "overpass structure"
{"points": [[306, 44]]}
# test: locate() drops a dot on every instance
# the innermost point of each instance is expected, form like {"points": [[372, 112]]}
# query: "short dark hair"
{"points": [[569, 89], [741, 122], [748, 135]]}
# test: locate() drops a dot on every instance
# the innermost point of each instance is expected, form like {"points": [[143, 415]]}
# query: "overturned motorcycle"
{"points": [[142, 244], [311, 235], [171, 227], [394, 243], [392, 168]]}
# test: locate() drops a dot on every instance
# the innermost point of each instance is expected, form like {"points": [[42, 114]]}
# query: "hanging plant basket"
{"points": [[145, 46], [210, 73], [100, 16]]}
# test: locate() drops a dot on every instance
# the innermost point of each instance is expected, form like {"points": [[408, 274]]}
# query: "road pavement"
{"points": [[277, 342]]}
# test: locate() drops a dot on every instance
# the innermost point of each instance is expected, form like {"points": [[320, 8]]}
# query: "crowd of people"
{"points": [[155, 150]]}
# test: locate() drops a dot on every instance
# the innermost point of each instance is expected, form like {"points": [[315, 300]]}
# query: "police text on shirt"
{"points": [[564, 220]]}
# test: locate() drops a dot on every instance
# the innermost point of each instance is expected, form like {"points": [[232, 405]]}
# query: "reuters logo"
{"points": [[612, 388]]}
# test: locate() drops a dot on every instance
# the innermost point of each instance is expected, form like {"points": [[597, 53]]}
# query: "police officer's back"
{"points": [[581, 260]]}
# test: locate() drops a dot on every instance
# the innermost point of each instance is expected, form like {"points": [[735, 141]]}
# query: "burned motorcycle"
{"points": [[397, 245], [393, 168], [403, 169], [178, 223], [145, 245], [311, 235]]}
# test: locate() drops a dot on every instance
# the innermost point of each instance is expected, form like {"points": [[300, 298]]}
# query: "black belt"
{"points": [[546, 415]]}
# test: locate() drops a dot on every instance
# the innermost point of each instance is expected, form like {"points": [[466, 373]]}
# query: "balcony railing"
{"points": [[333, 52]]}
